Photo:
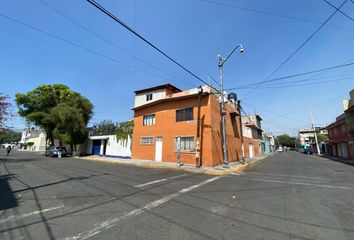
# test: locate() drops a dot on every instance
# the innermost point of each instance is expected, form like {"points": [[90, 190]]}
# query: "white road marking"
{"points": [[285, 175], [109, 223], [14, 218], [158, 181], [302, 183]]}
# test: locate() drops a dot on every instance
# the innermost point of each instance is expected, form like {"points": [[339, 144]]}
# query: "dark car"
{"points": [[53, 152], [306, 150]]}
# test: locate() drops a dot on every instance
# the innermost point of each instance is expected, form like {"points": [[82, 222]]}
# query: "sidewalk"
{"points": [[217, 170], [338, 159]]}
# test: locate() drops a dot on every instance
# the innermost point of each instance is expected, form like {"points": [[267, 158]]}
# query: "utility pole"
{"points": [[314, 130], [223, 113], [222, 105], [241, 133], [197, 152]]}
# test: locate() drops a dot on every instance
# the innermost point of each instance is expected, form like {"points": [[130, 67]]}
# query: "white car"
{"points": [[280, 149]]}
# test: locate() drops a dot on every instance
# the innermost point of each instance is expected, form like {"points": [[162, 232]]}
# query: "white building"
{"points": [[109, 146], [35, 136]]}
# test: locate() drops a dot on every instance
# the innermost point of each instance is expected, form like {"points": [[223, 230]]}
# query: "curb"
{"points": [[186, 168]]}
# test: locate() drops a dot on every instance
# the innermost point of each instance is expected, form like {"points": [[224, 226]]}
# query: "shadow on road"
{"points": [[7, 196]]}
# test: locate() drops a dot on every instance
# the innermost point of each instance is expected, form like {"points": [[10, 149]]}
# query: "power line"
{"points": [[119, 21], [78, 46], [276, 114], [211, 77], [303, 84], [273, 14], [247, 115], [300, 74], [297, 49], [317, 104], [106, 41], [338, 10]]}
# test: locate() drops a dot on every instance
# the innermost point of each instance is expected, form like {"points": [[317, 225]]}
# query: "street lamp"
{"points": [[223, 110]]}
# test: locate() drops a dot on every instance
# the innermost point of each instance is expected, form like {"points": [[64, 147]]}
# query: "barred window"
{"points": [[149, 119], [184, 114], [146, 140], [186, 144]]}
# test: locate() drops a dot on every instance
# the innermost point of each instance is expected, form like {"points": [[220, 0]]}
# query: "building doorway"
{"points": [[96, 147], [158, 149], [250, 149]]}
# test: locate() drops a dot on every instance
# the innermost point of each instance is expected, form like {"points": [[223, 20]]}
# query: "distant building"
{"points": [[339, 138], [252, 135], [35, 136], [165, 123], [269, 142], [349, 119], [306, 138], [104, 142], [341, 132]]}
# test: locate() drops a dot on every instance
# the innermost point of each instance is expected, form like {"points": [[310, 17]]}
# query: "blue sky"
{"points": [[100, 63]]}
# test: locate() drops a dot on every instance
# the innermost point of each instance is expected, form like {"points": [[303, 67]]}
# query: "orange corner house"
{"points": [[164, 113]]}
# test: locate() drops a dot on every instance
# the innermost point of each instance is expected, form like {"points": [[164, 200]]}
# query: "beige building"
{"points": [[35, 136]]}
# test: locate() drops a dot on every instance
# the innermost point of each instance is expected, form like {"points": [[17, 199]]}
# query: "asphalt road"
{"points": [[287, 196]]}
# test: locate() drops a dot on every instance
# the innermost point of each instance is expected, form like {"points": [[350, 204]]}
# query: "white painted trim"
{"points": [[158, 181], [17, 217], [302, 183]]}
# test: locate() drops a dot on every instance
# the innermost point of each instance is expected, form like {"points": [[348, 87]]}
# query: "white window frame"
{"points": [[147, 143], [147, 121], [183, 149]]}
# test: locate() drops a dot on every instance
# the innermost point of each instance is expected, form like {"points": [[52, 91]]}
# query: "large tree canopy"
{"points": [[4, 105], [9, 136], [286, 140], [60, 111]]}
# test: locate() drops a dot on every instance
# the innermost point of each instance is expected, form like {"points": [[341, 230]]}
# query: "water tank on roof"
{"points": [[232, 96]]}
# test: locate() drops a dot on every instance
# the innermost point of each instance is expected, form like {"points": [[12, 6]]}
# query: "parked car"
{"points": [[53, 152], [306, 151], [280, 149]]}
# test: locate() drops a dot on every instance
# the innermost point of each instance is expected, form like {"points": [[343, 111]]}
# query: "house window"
{"points": [[149, 119], [149, 97], [186, 144], [146, 140], [184, 114], [343, 128]]}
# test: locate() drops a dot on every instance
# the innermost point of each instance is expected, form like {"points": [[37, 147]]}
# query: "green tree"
{"points": [[58, 110], [321, 137], [71, 122], [124, 129], [105, 127], [286, 140], [9, 136], [4, 105]]}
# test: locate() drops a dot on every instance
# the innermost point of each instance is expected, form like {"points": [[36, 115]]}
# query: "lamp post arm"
{"points": [[233, 50]]}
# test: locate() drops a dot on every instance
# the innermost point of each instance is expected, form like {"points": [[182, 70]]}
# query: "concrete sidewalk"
{"points": [[217, 170], [339, 159]]}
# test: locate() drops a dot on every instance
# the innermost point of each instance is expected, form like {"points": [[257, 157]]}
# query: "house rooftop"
{"points": [[164, 86], [177, 96]]}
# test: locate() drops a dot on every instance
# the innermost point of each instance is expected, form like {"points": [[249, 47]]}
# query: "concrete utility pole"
{"points": [[314, 130], [222, 103], [241, 131], [198, 149]]}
